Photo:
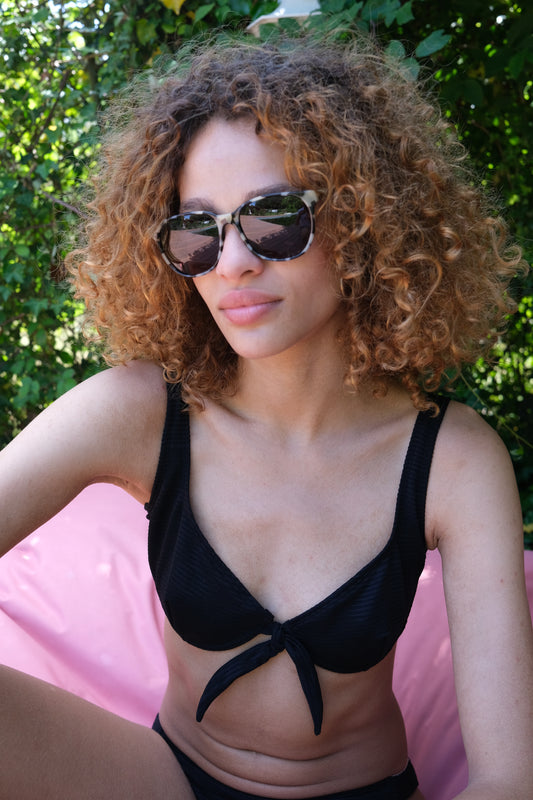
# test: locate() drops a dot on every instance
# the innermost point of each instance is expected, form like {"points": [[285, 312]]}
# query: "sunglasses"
{"points": [[276, 227]]}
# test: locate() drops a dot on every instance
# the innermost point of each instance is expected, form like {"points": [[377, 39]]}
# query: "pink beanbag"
{"points": [[78, 608]]}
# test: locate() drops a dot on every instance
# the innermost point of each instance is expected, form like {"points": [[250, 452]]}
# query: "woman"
{"points": [[285, 257]]}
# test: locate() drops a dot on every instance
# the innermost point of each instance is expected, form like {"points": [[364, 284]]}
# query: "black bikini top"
{"points": [[349, 631]]}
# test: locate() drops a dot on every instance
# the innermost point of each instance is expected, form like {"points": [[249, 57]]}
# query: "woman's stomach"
{"points": [[257, 736]]}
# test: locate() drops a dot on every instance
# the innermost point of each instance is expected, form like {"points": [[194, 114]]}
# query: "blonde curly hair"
{"points": [[422, 262]]}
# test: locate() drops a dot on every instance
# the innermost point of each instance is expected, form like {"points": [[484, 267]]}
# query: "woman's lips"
{"points": [[246, 306]]}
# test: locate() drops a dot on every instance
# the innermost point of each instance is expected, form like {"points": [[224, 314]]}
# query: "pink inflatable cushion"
{"points": [[78, 608]]}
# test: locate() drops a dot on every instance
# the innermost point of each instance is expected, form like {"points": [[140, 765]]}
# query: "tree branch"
{"points": [[59, 202]]}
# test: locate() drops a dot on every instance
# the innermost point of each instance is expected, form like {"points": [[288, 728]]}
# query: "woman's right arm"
{"points": [[107, 429]]}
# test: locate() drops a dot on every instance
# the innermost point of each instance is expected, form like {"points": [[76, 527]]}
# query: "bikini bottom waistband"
{"points": [[205, 787]]}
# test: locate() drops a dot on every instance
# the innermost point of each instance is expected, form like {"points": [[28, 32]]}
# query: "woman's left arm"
{"points": [[474, 518]]}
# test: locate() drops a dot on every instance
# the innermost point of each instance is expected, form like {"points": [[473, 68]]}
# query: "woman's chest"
{"points": [[294, 529]]}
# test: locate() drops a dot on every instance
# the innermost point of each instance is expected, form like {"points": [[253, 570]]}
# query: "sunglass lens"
{"points": [[192, 243], [278, 227]]}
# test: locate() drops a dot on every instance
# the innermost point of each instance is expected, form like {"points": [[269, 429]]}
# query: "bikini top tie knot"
{"points": [[281, 638], [277, 640]]}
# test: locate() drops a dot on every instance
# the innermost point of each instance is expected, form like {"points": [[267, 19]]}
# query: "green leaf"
{"points": [[395, 49], [391, 12], [378, 9], [7, 185], [146, 31], [66, 381], [472, 92], [411, 67], [203, 11], [405, 14], [432, 43], [45, 168], [257, 9], [41, 14], [521, 27], [40, 337], [352, 11], [516, 63], [18, 367], [37, 304], [28, 392]]}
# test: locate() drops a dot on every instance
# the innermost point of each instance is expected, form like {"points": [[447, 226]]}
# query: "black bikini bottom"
{"points": [[396, 787]]}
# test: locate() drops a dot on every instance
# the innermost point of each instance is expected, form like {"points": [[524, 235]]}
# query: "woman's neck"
{"points": [[301, 397]]}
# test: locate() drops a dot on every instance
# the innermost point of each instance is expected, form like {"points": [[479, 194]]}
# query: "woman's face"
{"points": [[262, 307]]}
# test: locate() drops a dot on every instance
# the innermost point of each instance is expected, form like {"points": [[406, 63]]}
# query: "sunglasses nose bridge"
{"points": [[223, 220], [231, 218]]}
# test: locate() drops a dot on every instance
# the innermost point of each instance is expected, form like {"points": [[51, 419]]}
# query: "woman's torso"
{"points": [[293, 520]]}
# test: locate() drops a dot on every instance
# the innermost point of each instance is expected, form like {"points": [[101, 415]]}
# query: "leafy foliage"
{"points": [[61, 61]]}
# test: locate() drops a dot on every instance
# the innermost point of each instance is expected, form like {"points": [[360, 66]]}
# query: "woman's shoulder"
{"points": [[106, 429], [471, 473], [467, 435], [131, 403], [126, 391], [114, 420], [145, 377]]}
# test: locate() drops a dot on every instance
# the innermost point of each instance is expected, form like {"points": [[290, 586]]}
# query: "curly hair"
{"points": [[423, 264]]}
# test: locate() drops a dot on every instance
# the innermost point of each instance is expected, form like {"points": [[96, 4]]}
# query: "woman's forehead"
{"points": [[227, 163]]}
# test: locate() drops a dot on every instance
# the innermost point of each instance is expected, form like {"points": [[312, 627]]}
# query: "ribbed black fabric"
{"points": [[349, 631]]}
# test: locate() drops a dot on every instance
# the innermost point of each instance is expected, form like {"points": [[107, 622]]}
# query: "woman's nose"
{"points": [[236, 259]]}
